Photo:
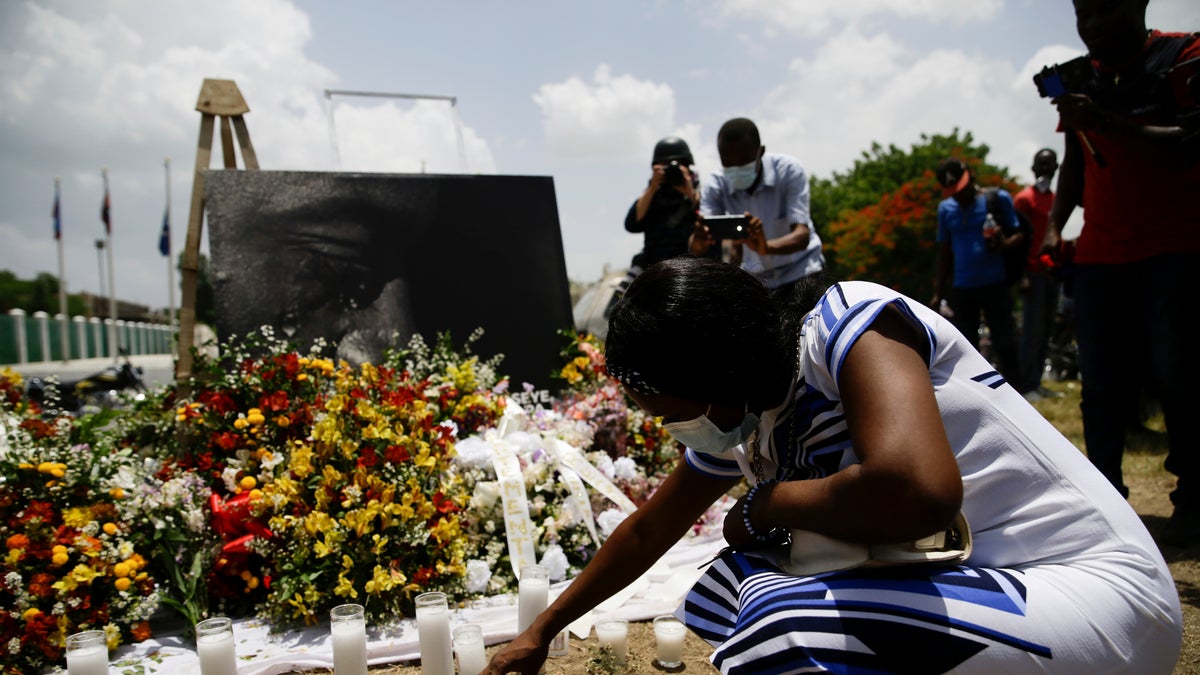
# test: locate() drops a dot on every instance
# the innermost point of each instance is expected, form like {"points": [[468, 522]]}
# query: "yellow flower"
{"points": [[345, 587], [117, 493], [122, 584], [110, 528], [247, 483], [255, 417], [240, 423], [121, 569], [77, 517], [31, 614], [60, 559]]}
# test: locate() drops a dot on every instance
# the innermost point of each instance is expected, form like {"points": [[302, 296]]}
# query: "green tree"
{"points": [[39, 294], [879, 219]]}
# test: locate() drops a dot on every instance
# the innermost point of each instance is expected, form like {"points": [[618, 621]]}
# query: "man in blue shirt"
{"points": [[971, 239], [772, 191]]}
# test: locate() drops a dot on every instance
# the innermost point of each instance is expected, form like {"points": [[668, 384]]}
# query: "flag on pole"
{"points": [[164, 239], [57, 217], [104, 213]]}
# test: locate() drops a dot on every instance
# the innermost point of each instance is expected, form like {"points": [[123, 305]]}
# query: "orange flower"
{"points": [[18, 541], [141, 631]]}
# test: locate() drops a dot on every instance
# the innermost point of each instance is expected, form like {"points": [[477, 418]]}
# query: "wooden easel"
{"points": [[218, 98]]}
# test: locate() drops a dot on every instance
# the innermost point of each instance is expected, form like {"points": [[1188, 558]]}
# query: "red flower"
{"points": [[227, 440], [367, 457], [218, 402], [396, 454], [276, 401], [423, 575], [442, 504]]}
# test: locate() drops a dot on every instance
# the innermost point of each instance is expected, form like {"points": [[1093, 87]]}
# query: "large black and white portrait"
{"points": [[367, 260]]}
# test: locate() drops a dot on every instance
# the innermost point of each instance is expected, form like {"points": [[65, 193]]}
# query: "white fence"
{"points": [[38, 338]]}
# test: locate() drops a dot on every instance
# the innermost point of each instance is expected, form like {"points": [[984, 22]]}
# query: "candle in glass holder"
{"points": [[348, 626], [614, 633], [87, 653], [561, 644], [214, 645], [669, 634], [433, 634], [533, 592], [468, 644]]}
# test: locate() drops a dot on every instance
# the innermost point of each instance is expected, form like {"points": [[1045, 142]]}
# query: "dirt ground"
{"points": [[1149, 486]]}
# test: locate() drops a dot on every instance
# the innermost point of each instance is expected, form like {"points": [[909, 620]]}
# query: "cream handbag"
{"points": [[811, 553]]}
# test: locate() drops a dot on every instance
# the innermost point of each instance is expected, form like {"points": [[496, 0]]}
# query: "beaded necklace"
{"points": [[753, 443]]}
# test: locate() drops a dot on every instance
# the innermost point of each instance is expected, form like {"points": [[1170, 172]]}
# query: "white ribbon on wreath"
{"points": [[573, 470]]}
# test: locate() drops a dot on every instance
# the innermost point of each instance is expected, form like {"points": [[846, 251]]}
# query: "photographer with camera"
{"points": [[1131, 123], [666, 211], [781, 246]]}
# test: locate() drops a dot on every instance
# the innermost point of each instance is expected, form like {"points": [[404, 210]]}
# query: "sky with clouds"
{"points": [[576, 91]]}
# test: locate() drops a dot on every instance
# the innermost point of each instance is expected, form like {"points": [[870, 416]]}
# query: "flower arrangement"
{"points": [[280, 484], [70, 561]]}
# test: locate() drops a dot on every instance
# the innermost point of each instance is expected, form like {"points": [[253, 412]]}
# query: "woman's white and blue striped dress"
{"points": [[1064, 578]]}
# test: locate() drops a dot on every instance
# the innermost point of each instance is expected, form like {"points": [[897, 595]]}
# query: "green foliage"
{"points": [[39, 294], [879, 219]]}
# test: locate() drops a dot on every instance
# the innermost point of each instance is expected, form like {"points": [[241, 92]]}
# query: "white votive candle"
{"points": [[468, 645], [533, 592], [614, 633], [669, 634], [214, 646], [348, 626], [87, 653], [433, 634]]}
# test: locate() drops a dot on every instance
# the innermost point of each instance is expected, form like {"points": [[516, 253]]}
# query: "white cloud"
{"points": [[813, 17], [834, 105], [411, 138], [610, 118], [86, 85]]}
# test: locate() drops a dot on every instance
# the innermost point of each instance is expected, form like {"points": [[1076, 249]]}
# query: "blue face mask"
{"points": [[741, 177], [703, 436]]}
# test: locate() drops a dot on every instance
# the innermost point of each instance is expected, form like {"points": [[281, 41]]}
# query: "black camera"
{"points": [[672, 173], [1077, 76]]}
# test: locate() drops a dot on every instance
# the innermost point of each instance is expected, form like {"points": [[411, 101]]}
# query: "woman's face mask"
{"points": [[703, 436], [741, 177]]}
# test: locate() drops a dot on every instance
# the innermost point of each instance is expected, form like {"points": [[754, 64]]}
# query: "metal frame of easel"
{"points": [[218, 98]]}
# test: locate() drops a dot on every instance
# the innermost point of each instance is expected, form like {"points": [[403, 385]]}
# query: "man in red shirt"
{"points": [[1039, 288], [1131, 160]]}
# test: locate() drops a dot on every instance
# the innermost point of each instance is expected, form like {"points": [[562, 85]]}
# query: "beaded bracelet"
{"points": [[757, 536]]}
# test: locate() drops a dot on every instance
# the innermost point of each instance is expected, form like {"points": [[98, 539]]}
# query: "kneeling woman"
{"points": [[861, 418]]}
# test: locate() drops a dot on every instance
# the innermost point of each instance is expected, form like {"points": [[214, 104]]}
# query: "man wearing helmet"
{"points": [[666, 210]]}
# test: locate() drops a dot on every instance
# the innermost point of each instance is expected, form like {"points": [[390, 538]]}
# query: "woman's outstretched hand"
{"points": [[523, 655]]}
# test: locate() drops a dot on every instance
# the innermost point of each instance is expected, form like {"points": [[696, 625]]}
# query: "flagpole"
{"points": [[112, 286], [170, 259], [62, 279]]}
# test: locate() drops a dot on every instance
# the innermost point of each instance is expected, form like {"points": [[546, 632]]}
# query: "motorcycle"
{"points": [[99, 391]]}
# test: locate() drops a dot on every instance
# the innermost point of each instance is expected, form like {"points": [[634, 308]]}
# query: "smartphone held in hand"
{"points": [[728, 227]]}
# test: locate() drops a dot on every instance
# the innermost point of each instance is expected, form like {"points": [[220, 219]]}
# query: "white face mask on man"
{"points": [[741, 177], [703, 436], [1042, 184]]}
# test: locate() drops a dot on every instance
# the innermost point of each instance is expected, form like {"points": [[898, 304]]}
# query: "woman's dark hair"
{"points": [[705, 331]]}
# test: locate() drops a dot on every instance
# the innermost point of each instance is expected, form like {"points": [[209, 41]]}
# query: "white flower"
{"points": [[555, 561], [473, 452], [230, 476], [605, 464], [486, 494], [478, 576], [625, 468], [609, 520], [449, 424]]}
